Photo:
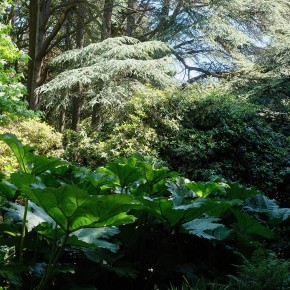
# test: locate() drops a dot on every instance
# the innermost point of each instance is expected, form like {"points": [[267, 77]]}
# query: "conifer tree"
{"points": [[109, 72]]}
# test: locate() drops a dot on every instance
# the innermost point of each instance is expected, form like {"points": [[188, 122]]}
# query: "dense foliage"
{"points": [[33, 132], [106, 70], [197, 133], [132, 222], [108, 73], [11, 90]]}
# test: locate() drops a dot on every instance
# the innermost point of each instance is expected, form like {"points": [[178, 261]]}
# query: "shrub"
{"points": [[199, 133], [36, 134]]}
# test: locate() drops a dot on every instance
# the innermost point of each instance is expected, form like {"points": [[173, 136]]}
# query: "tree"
{"points": [[39, 28], [267, 83], [11, 90], [109, 72]]}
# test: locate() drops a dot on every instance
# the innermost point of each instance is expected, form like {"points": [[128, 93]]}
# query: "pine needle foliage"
{"points": [[110, 71]]}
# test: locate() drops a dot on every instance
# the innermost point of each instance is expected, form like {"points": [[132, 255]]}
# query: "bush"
{"points": [[32, 132], [197, 133]]}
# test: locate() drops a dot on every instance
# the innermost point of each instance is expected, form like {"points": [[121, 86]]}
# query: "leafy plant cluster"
{"points": [[11, 90], [33, 132], [199, 133], [132, 223]]}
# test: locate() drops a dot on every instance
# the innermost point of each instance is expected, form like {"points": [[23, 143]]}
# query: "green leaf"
{"points": [[72, 208], [25, 182], [42, 163], [204, 189], [262, 204], [8, 191], [153, 175], [49, 230], [247, 225], [94, 238], [126, 171], [238, 191], [21, 152], [207, 228], [35, 214], [169, 215]]}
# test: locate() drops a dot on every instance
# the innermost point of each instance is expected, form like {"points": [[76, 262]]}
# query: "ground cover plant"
{"points": [[132, 223]]}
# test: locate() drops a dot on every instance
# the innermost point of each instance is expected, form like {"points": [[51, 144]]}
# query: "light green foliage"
{"points": [[109, 72], [11, 90], [36, 134], [215, 37]]}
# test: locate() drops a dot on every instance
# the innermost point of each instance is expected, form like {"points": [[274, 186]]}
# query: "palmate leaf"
{"points": [[94, 238], [169, 215], [42, 163], [99, 180], [239, 191], [29, 162], [8, 191], [72, 208], [207, 228], [261, 204], [204, 189], [125, 170], [153, 175], [247, 225], [35, 215]]}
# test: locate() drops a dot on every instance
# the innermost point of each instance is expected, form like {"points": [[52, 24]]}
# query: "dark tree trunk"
{"points": [[130, 31], [107, 18], [33, 49], [38, 17], [107, 30], [97, 115], [78, 98], [63, 108], [40, 44]]}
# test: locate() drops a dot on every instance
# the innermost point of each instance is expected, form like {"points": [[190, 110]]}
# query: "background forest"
{"points": [[144, 144]]}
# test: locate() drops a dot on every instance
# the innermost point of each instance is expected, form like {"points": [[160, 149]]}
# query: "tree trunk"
{"points": [[130, 19], [107, 30], [107, 18], [62, 115], [78, 98], [38, 16], [33, 49]]}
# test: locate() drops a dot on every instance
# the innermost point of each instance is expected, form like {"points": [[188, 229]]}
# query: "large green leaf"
{"points": [[72, 208], [262, 204], [204, 189], [94, 238], [153, 175], [170, 215], [35, 214], [208, 228], [42, 163], [8, 191], [125, 170], [238, 191], [247, 225], [21, 152]]}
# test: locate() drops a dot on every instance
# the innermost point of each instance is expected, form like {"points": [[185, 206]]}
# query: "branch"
{"points": [[54, 32]]}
